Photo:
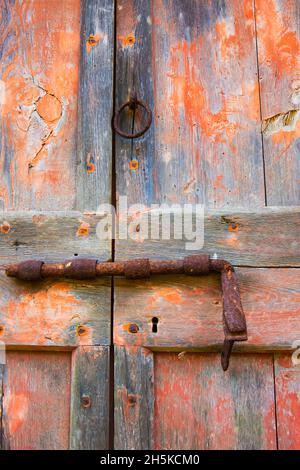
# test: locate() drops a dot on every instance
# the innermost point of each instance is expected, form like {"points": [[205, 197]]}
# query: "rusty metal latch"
{"points": [[234, 321], [133, 103]]}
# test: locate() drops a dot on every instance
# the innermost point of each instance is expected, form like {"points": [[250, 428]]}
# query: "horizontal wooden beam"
{"points": [[57, 314], [188, 311], [51, 236], [265, 238]]}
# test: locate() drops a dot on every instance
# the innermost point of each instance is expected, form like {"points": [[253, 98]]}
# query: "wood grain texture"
{"points": [[36, 404], [134, 398], [39, 88], [135, 65], [90, 398], [51, 236], [197, 406], [205, 141], [95, 104], [278, 40], [266, 237], [189, 311], [287, 381], [55, 314]]}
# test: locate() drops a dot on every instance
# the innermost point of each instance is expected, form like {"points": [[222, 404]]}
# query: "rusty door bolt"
{"points": [[234, 321], [86, 401], [133, 328]]}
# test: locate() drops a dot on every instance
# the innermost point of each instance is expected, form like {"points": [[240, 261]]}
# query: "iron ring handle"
{"points": [[132, 103]]}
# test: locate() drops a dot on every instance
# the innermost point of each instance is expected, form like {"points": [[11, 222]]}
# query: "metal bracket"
{"points": [[234, 321]]}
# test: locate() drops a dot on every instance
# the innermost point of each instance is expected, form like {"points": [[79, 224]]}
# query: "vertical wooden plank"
{"points": [[205, 141], [134, 398], [287, 381], [36, 400], [198, 406], [135, 67], [2, 437], [95, 104], [278, 40], [89, 398], [38, 103]]}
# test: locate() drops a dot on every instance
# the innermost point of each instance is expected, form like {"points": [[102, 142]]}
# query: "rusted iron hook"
{"points": [[133, 104], [234, 321]]}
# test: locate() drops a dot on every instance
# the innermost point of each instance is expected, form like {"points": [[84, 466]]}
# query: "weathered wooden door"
{"points": [[56, 106], [222, 80]]}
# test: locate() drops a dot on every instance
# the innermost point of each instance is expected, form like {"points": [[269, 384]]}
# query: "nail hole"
{"points": [[155, 321], [75, 254]]}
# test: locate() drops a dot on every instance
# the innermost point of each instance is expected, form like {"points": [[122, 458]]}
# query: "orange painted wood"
{"points": [[189, 311], [36, 403], [287, 380], [195, 64], [278, 40], [39, 87], [198, 406], [55, 314]]}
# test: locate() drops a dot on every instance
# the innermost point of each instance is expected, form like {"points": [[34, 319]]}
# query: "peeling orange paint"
{"points": [[279, 47], [49, 108], [17, 408], [40, 72]]}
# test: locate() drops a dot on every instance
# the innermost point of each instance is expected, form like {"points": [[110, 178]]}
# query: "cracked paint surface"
{"points": [[39, 69]]}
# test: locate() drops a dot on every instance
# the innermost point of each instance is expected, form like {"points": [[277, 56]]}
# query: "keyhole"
{"points": [[154, 324]]}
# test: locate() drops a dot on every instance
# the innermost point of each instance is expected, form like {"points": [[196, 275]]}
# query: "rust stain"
{"points": [[83, 230], [133, 165], [81, 330], [5, 227], [90, 168], [1, 330], [92, 41], [233, 227], [128, 40]]}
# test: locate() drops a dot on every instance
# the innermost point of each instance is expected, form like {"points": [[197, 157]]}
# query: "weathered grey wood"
{"points": [[205, 141], [278, 41], [38, 99], [2, 436], [267, 237], [134, 398], [189, 311], [198, 406], [90, 399], [56, 313], [134, 71], [51, 236], [36, 400], [287, 385], [95, 104]]}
